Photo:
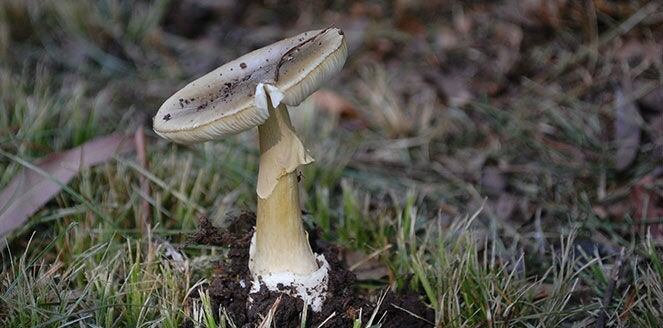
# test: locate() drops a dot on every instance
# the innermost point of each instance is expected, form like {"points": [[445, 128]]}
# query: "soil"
{"points": [[229, 288]]}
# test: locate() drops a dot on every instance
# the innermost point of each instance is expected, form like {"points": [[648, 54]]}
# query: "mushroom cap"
{"points": [[223, 102]]}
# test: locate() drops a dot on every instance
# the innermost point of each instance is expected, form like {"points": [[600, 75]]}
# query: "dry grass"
{"points": [[513, 116]]}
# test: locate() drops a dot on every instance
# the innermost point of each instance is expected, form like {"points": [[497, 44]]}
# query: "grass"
{"points": [[407, 186]]}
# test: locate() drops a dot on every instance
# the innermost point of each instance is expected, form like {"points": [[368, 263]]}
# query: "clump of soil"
{"points": [[229, 288]]}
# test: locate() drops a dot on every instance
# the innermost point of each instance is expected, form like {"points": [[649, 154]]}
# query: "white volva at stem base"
{"points": [[311, 288]]}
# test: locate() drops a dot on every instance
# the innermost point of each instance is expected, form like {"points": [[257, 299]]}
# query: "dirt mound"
{"points": [[229, 288]]}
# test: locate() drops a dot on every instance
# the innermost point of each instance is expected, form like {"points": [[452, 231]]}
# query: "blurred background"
{"points": [[545, 115]]}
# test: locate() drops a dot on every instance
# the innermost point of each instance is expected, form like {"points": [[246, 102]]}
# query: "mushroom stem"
{"points": [[281, 244]]}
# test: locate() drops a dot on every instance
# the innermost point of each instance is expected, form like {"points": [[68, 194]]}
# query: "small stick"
{"points": [[143, 215], [326, 320], [413, 314], [267, 321], [370, 256]]}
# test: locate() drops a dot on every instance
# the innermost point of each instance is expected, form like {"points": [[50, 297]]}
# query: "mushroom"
{"points": [[251, 91]]}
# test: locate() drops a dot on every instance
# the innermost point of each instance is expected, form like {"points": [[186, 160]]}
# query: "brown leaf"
{"points": [[336, 105], [542, 13], [616, 9], [362, 9], [29, 190], [648, 204], [411, 25], [367, 266], [627, 131]]}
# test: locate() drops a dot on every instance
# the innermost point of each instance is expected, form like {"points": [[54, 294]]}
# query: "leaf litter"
{"points": [[30, 190]]}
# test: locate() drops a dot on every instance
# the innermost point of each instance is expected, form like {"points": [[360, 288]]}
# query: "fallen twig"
{"points": [[143, 215]]}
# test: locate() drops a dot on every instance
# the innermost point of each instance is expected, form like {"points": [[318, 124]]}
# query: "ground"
{"points": [[499, 161]]}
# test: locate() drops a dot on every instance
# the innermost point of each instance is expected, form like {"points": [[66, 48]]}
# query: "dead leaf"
{"points": [[336, 105], [367, 266], [29, 190], [616, 9], [648, 204], [411, 25], [362, 9], [627, 131], [542, 13]]}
